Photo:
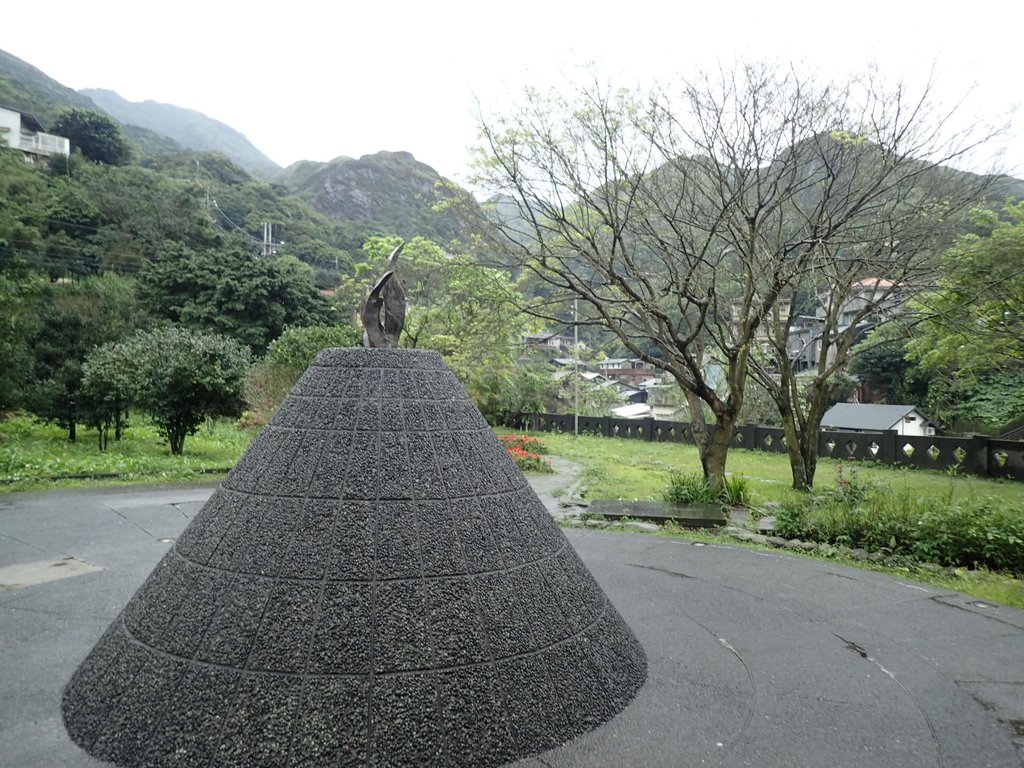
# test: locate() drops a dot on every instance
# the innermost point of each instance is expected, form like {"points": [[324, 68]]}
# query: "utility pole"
{"points": [[576, 365], [268, 239]]}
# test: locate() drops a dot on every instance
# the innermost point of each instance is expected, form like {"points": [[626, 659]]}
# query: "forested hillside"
{"points": [[323, 212], [27, 89]]}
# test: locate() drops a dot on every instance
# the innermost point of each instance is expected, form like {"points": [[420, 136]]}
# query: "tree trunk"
{"points": [[809, 440], [72, 434], [712, 455], [802, 446], [802, 472], [712, 460], [698, 424]]}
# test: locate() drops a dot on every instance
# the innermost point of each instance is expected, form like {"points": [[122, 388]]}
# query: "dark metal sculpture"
{"points": [[389, 296]]}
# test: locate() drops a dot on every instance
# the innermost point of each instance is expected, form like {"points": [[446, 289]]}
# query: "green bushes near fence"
{"points": [[973, 532]]}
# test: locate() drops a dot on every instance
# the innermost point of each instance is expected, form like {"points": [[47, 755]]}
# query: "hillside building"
{"points": [[24, 132]]}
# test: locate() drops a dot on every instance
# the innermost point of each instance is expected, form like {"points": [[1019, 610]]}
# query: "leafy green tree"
{"points": [[70, 225], [184, 377], [95, 135], [139, 210], [110, 386], [287, 358], [973, 323], [881, 362], [500, 391], [466, 311], [969, 336], [70, 320], [991, 400], [229, 291], [296, 347], [18, 325]]}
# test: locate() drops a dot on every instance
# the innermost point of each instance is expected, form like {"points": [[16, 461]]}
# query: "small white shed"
{"points": [[872, 417]]}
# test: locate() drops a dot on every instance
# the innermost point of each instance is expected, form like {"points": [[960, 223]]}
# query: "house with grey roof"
{"points": [[872, 417]]}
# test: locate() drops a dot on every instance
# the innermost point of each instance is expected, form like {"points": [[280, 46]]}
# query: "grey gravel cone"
{"points": [[375, 583]]}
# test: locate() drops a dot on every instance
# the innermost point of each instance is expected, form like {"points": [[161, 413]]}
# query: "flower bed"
{"points": [[525, 451]]}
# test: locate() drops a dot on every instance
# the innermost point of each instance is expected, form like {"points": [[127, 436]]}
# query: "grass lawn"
{"points": [[635, 469], [31, 454]]}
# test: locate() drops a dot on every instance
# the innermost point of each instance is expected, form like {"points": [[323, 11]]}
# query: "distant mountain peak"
{"points": [[385, 191], [190, 128]]}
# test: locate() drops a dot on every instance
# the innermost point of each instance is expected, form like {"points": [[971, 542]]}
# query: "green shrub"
{"points": [[791, 520], [296, 347], [288, 356], [736, 492], [851, 488], [972, 533], [688, 489], [11, 459], [692, 488]]}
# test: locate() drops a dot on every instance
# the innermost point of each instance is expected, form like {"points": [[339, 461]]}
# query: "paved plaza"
{"points": [[755, 658]]}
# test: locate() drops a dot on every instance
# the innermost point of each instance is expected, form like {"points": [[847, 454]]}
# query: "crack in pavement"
{"points": [[937, 599], [661, 570], [863, 653], [33, 546], [128, 520]]}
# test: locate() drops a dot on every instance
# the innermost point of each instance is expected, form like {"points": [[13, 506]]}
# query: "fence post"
{"points": [[649, 429], [887, 448], [755, 438], [749, 432], [976, 462]]}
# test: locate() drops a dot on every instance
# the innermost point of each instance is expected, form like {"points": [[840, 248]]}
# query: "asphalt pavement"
{"points": [[755, 658]]}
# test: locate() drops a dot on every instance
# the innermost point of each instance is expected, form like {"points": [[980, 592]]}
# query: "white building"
{"points": [[21, 131], [868, 417]]}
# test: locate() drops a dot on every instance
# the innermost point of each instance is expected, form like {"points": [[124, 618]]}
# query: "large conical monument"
{"points": [[375, 583]]}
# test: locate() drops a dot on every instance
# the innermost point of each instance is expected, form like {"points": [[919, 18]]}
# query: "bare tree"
{"points": [[887, 205], [685, 217]]}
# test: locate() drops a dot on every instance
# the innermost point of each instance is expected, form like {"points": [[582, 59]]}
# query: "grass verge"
{"points": [[35, 456], [628, 469]]}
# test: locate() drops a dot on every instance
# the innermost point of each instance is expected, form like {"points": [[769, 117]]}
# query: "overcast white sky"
{"points": [[307, 80]]}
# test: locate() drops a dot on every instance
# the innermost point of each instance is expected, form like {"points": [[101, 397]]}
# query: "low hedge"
{"points": [[980, 532]]}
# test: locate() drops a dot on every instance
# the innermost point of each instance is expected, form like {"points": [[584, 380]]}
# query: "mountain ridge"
{"points": [[386, 193], [26, 88], [188, 127], [379, 190]]}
